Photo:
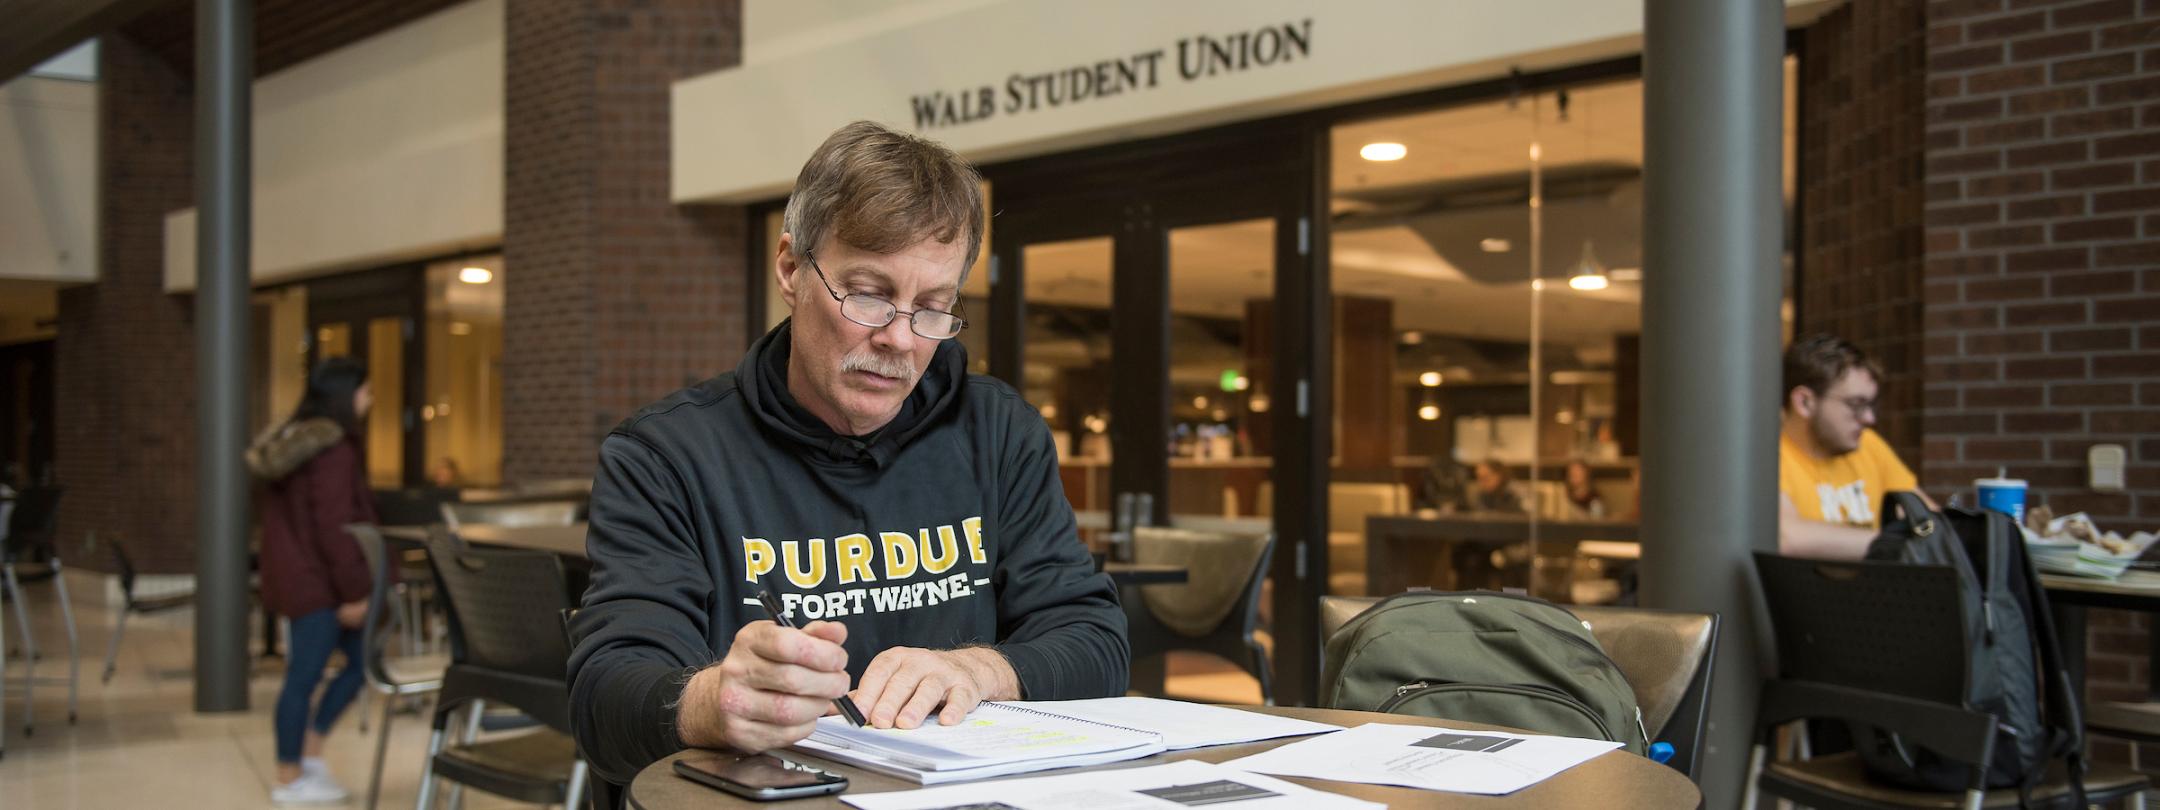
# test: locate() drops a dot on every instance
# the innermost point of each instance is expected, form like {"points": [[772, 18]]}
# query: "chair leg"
{"points": [[574, 793], [472, 734], [426, 800], [112, 650], [382, 748], [1749, 792], [67, 617], [29, 648]]}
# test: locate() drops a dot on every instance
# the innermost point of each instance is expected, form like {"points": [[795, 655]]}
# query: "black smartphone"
{"points": [[762, 777]]}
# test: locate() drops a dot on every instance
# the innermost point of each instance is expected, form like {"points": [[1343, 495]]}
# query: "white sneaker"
{"points": [[310, 788], [316, 767]]}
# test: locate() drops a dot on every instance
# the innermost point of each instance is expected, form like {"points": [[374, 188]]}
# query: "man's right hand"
{"points": [[769, 691]]}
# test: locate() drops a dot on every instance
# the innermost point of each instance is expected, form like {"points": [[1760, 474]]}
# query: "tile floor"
{"points": [[139, 743]]}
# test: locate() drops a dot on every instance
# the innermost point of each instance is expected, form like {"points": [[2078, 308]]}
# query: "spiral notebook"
{"points": [[996, 739]]}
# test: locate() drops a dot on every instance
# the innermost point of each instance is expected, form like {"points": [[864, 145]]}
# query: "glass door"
{"points": [[1134, 301], [374, 317]]}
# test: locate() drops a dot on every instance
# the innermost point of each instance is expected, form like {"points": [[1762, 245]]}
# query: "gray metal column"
{"points": [[1711, 207], [224, 82]]}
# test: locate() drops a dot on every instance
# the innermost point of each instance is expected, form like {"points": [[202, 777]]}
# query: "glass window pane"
{"points": [[333, 340], [1067, 370], [1222, 306], [461, 416], [386, 423]]}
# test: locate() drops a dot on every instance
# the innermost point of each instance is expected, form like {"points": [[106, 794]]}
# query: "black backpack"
{"points": [[2016, 669]]}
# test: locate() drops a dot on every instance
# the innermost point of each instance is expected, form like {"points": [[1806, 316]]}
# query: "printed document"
{"points": [[1486, 762], [1177, 784]]}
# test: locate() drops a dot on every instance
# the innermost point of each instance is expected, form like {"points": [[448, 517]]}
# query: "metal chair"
{"points": [[1667, 656], [503, 650], [1883, 644], [542, 513], [1216, 611], [29, 537], [391, 677], [133, 603]]}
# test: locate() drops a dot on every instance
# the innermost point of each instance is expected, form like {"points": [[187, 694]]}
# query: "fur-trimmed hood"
{"points": [[282, 449]]}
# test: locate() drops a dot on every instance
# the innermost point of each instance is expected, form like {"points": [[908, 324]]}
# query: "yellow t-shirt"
{"points": [[1845, 489]]}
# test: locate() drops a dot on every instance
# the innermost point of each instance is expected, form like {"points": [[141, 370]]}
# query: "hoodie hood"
{"points": [[282, 449], [762, 378]]}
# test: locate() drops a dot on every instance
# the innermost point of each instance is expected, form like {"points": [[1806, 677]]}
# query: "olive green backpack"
{"points": [[1482, 657]]}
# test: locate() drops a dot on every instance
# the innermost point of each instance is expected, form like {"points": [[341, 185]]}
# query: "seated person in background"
{"points": [[1445, 483], [1583, 501], [1495, 491], [445, 474], [852, 466], [1832, 468]]}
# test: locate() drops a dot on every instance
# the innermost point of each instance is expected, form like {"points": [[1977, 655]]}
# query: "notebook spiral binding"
{"points": [[1056, 716]]}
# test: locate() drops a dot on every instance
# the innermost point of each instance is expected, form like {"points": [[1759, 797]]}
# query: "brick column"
{"points": [[124, 375], [615, 296], [1861, 95], [2043, 272]]}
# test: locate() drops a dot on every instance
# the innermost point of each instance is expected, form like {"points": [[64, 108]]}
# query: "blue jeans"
{"points": [[313, 637]]}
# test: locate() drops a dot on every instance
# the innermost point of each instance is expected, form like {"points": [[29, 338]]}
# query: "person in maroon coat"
{"points": [[313, 572]]}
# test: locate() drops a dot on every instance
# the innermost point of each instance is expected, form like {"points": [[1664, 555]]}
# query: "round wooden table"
{"points": [[1617, 780]]}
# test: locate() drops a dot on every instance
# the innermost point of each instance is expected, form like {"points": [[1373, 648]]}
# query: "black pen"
{"points": [[843, 702]]}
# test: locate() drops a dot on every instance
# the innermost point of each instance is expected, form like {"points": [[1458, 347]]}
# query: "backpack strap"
{"points": [[2060, 700]]}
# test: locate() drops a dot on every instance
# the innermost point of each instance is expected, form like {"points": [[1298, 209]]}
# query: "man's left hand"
{"points": [[903, 685]]}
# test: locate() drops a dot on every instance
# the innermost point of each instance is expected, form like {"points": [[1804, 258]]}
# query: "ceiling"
{"points": [[287, 32]]}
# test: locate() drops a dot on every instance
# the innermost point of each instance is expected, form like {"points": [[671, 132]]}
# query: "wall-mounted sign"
{"points": [[1004, 79], [1193, 58]]}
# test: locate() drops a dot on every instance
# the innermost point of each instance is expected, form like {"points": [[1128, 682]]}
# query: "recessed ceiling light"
{"points": [[1428, 412], [476, 275], [1588, 282], [1383, 151], [1494, 244], [1429, 379]]}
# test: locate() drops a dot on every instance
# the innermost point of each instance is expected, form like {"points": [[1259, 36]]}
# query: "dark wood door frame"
{"points": [[355, 299]]}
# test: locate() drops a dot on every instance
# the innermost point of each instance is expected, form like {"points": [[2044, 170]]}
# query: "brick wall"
{"points": [[1861, 90], [124, 358], [2043, 270], [2043, 234], [614, 296]]}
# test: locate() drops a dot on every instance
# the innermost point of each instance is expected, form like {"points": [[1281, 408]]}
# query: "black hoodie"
{"points": [[947, 527]]}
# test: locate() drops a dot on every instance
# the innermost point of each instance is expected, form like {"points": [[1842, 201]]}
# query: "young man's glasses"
{"points": [[875, 312]]}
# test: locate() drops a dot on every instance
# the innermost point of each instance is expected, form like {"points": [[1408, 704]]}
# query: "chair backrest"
{"points": [[1336, 611], [1350, 503], [30, 523], [1879, 626], [1667, 656], [374, 549], [540, 513], [504, 607], [411, 506], [1224, 572]]}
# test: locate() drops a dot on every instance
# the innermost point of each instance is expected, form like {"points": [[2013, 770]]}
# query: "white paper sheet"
{"points": [[1486, 762], [1178, 784], [1183, 725]]}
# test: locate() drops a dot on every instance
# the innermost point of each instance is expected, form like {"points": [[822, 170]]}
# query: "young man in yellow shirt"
{"points": [[1832, 468]]}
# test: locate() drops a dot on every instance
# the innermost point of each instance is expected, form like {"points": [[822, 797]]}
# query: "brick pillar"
{"points": [[615, 296], [1861, 94], [124, 359], [2043, 272]]}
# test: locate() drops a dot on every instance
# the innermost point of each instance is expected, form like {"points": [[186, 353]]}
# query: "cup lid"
{"points": [[2018, 483]]}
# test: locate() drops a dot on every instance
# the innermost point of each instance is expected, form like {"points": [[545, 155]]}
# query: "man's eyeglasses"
{"points": [[875, 312], [1859, 405]]}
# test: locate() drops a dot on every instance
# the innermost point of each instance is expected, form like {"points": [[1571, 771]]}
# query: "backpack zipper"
{"points": [[1414, 689]]}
